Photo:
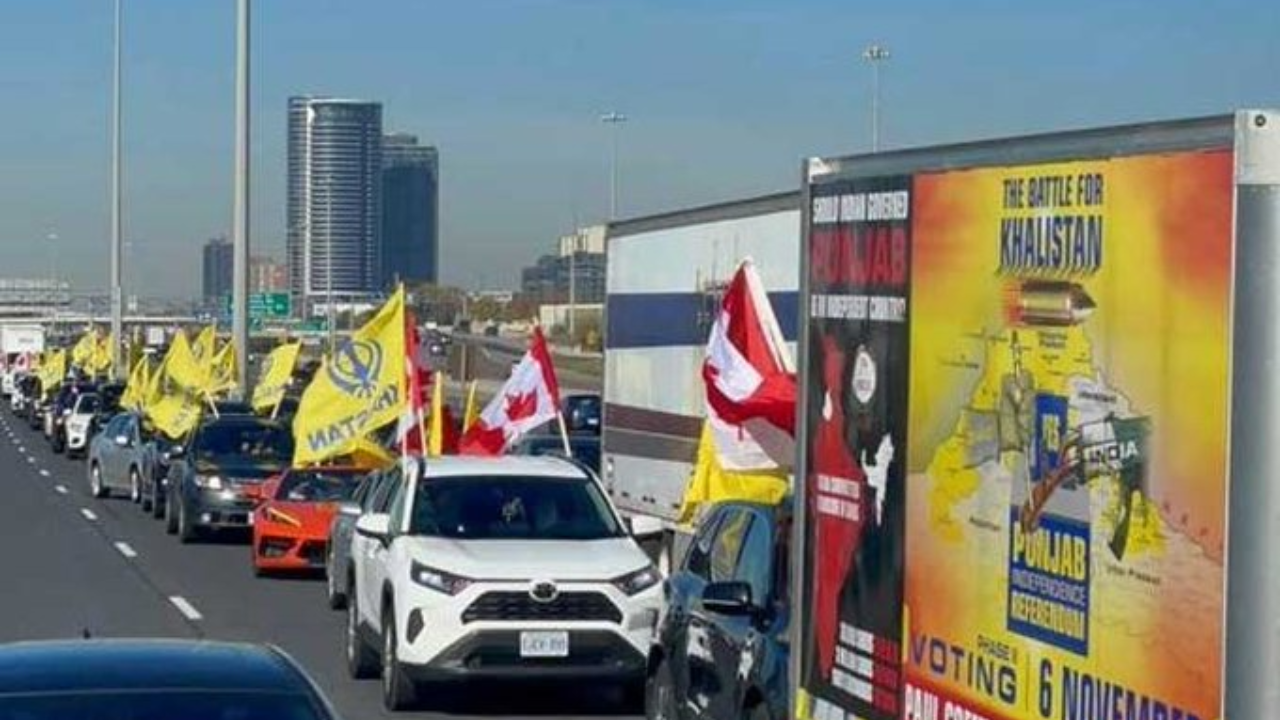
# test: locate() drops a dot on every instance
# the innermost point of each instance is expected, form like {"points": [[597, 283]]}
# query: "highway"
{"points": [[78, 564]]}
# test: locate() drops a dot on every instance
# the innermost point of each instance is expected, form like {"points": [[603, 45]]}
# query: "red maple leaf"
{"points": [[521, 406]]}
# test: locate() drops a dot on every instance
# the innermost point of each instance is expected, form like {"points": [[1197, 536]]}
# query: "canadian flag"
{"points": [[530, 398], [750, 379], [408, 429]]}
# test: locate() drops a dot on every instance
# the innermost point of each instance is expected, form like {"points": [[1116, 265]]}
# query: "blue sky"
{"points": [[725, 98]]}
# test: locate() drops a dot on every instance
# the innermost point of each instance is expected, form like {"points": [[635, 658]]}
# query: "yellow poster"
{"points": [[1067, 460]]}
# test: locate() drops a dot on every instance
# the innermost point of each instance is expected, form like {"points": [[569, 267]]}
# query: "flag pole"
{"points": [[564, 433]]}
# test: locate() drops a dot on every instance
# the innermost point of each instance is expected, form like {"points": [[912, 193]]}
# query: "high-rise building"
{"points": [[266, 275], [334, 204], [410, 211], [576, 273], [217, 268]]}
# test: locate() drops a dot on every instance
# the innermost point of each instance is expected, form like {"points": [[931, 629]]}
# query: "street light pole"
{"points": [[328, 263], [240, 223], [614, 120], [117, 221], [875, 55]]}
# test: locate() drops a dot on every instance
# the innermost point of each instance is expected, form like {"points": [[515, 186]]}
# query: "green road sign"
{"points": [[263, 305]]}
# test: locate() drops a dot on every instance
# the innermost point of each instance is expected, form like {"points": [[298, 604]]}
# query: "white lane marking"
{"points": [[60, 489], [44, 473], [186, 608], [88, 514], [126, 551], [31, 459]]}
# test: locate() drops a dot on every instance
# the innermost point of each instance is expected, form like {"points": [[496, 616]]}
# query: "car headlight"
{"points": [[209, 482], [637, 582], [438, 580]]}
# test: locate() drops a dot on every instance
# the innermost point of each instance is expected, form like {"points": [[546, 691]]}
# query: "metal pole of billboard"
{"points": [[116, 219], [875, 55], [240, 251], [1252, 546]]}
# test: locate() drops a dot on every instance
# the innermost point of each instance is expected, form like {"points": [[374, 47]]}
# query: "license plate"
{"points": [[544, 644]]}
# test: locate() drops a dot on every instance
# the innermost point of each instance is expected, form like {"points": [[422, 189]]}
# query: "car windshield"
{"points": [[257, 442], [88, 404], [318, 486], [512, 508], [586, 450], [153, 705]]}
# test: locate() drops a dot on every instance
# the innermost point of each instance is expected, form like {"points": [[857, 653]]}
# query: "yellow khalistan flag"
{"points": [[205, 345], [52, 370], [82, 352], [222, 372], [277, 371], [134, 396], [182, 367], [100, 358], [172, 407], [711, 483], [356, 391]]}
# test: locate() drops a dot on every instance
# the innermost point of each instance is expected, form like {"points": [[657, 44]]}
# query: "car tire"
{"points": [[170, 517], [135, 486], [337, 598], [57, 444], [759, 711], [362, 660], [157, 506], [187, 531], [96, 487], [660, 694], [398, 692]]}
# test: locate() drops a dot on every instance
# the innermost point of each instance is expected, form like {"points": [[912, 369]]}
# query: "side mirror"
{"points": [[728, 598], [175, 452], [375, 526], [644, 526], [122, 440]]}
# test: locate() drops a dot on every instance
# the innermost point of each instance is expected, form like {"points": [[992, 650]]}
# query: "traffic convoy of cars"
{"points": [[453, 568]]}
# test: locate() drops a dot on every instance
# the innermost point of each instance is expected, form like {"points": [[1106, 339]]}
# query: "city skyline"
{"points": [[725, 110]]}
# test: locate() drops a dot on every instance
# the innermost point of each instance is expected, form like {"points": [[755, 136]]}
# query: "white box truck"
{"points": [[1038, 429], [665, 275]]}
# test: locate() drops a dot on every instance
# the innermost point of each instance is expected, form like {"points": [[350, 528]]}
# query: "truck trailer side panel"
{"points": [[664, 281], [1018, 428]]}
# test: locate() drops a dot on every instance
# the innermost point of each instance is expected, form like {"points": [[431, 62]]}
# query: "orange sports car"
{"points": [[291, 522]]}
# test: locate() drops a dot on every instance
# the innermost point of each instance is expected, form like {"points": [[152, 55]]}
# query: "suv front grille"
{"points": [[518, 606]]}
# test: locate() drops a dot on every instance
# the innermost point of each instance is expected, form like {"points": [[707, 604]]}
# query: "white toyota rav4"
{"points": [[511, 567]]}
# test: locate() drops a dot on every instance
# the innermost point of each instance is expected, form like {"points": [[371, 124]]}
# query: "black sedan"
{"points": [[721, 647], [154, 680]]}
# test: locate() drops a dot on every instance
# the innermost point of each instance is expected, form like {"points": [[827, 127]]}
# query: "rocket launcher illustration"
{"points": [[1053, 303]]}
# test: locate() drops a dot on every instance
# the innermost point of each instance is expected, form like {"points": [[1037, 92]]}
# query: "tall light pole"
{"points": [[240, 221], [328, 264], [117, 221], [875, 55], [614, 120]]}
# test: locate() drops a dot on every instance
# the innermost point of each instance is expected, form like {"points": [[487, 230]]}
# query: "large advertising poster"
{"points": [[1065, 452], [860, 272]]}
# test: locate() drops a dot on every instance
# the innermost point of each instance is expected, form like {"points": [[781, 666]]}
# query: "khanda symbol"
{"points": [[355, 367]]}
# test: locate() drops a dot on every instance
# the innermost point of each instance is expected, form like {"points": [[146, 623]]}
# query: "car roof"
{"points": [[77, 665], [502, 466]]}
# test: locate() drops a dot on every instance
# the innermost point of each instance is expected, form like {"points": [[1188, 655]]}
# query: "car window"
{"points": [[245, 441], [513, 507], [375, 482], [698, 557], [756, 559], [382, 501], [317, 486], [115, 427], [728, 544], [397, 510]]}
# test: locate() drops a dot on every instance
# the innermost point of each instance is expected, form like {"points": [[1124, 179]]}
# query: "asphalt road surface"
{"points": [[77, 564]]}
